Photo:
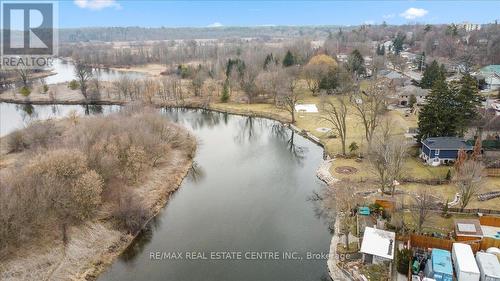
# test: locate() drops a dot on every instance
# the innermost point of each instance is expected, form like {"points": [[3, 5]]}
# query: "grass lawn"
{"points": [[414, 168], [436, 223], [312, 121]]}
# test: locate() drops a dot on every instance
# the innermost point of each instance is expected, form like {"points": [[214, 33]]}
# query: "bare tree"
{"points": [[270, 81], [370, 106], [289, 96], [83, 73], [387, 155], [421, 207], [347, 200], [97, 84], [336, 115], [468, 179], [24, 74], [313, 74]]}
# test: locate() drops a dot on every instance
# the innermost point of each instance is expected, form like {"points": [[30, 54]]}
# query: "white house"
{"points": [[491, 75], [378, 245]]}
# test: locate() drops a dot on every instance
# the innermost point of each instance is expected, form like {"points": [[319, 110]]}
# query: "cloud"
{"points": [[389, 16], [413, 13], [97, 4], [369, 22], [215, 24]]}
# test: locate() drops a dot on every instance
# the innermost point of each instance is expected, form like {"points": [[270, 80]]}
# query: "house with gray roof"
{"points": [[406, 92], [442, 150]]}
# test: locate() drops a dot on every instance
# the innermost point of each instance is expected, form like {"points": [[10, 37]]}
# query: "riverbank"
{"points": [[96, 243]]}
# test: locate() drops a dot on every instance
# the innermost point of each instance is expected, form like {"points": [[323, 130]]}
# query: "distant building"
{"points": [[378, 245], [470, 26], [407, 91], [491, 75], [442, 150]]}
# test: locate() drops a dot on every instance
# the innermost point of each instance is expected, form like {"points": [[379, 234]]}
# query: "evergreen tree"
{"points": [[468, 100], [412, 100], [432, 73], [398, 42], [289, 59], [270, 60], [380, 50], [225, 92], [437, 117], [356, 63], [421, 61], [449, 108]]}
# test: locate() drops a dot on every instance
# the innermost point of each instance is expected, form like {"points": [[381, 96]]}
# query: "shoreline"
{"points": [[104, 262], [100, 241], [217, 107], [322, 173]]}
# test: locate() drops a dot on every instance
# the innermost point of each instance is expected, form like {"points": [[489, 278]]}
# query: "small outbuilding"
{"points": [[377, 245], [468, 229], [439, 266], [488, 266], [464, 263]]}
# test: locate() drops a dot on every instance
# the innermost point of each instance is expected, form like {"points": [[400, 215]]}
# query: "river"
{"points": [[247, 194], [65, 72]]}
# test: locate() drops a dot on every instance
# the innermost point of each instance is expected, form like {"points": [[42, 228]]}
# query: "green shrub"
{"points": [[73, 85], [225, 93], [25, 91], [403, 260], [45, 89]]}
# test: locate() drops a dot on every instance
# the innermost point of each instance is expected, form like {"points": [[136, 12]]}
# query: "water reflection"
{"points": [[92, 109], [196, 173], [141, 241], [286, 139], [324, 206], [249, 129], [202, 118], [18, 116]]}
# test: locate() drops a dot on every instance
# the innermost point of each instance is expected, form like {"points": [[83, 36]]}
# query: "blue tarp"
{"points": [[364, 211], [441, 265]]}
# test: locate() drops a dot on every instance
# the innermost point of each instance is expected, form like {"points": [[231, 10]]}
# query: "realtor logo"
{"points": [[28, 33]]}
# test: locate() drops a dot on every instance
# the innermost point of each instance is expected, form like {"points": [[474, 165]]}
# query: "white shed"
{"points": [[464, 263], [378, 245], [488, 266]]}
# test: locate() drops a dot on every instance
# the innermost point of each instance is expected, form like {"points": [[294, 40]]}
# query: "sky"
{"points": [[91, 13]]}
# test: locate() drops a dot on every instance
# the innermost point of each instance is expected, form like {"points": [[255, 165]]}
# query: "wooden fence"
{"points": [[490, 221], [427, 242], [493, 172], [471, 211]]}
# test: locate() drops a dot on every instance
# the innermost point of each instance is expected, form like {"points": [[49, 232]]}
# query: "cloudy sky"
{"points": [[81, 13]]}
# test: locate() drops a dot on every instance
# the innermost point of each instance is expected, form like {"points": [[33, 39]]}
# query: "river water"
{"points": [[65, 72], [247, 194]]}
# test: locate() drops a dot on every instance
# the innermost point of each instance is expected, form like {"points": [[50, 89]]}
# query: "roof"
{"points": [[441, 261], [491, 231], [413, 90], [446, 143], [393, 75], [493, 68], [468, 227], [465, 258], [489, 264], [378, 242]]}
